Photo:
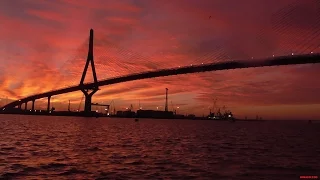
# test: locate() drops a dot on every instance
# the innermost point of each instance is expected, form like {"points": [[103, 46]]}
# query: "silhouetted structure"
{"points": [[155, 114], [191, 116], [106, 106], [126, 114], [227, 115], [69, 106], [166, 105], [94, 86]]}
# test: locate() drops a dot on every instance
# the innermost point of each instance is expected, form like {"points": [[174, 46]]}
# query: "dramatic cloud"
{"points": [[43, 46]]}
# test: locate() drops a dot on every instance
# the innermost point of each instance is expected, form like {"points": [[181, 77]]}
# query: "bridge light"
{"points": [[292, 54], [157, 108], [251, 57], [272, 55], [311, 52], [108, 114], [191, 64], [4, 109], [106, 109], [40, 110], [97, 111], [30, 110], [178, 66]]}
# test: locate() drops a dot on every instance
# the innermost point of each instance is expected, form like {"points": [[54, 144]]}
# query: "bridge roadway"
{"points": [[239, 64]]}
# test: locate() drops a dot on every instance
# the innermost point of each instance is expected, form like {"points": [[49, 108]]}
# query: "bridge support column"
{"points": [[32, 109], [88, 100], [25, 106], [48, 106], [94, 87], [19, 106]]}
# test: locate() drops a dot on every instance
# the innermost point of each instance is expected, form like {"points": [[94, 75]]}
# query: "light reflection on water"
{"points": [[91, 148]]}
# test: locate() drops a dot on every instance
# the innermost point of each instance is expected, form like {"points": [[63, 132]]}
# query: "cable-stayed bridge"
{"points": [[89, 89]]}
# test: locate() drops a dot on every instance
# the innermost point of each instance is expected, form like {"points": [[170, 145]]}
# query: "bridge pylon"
{"points": [[88, 91]]}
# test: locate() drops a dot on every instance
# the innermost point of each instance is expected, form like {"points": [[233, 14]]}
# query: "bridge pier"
{"points": [[32, 109], [25, 106], [48, 106], [88, 100]]}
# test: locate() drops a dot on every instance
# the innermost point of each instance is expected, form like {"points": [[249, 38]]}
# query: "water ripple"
{"points": [[34, 147]]}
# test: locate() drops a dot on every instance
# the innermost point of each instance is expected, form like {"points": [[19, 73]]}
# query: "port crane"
{"points": [[112, 105], [107, 106], [173, 109], [80, 102]]}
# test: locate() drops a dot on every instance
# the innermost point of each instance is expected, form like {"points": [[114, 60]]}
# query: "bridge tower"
{"points": [[95, 87], [166, 105]]}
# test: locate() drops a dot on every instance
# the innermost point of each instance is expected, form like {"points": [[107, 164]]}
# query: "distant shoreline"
{"points": [[196, 119]]}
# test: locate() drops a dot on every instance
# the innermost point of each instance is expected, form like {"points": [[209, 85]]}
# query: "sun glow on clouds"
{"points": [[43, 45]]}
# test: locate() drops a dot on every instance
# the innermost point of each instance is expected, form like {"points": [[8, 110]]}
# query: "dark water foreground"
{"points": [[35, 147]]}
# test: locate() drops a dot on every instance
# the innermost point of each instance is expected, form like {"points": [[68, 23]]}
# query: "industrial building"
{"points": [[155, 114], [126, 114]]}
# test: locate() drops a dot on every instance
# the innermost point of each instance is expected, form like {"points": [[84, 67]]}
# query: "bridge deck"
{"points": [[238, 64]]}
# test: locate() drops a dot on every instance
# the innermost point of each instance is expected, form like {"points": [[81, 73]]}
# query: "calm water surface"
{"points": [[40, 147]]}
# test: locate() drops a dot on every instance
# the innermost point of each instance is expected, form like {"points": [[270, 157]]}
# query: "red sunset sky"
{"points": [[43, 46]]}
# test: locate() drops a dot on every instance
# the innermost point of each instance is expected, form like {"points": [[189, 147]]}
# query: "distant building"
{"points": [[179, 116], [119, 113], [155, 114], [125, 114], [191, 116], [219, 116]]}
